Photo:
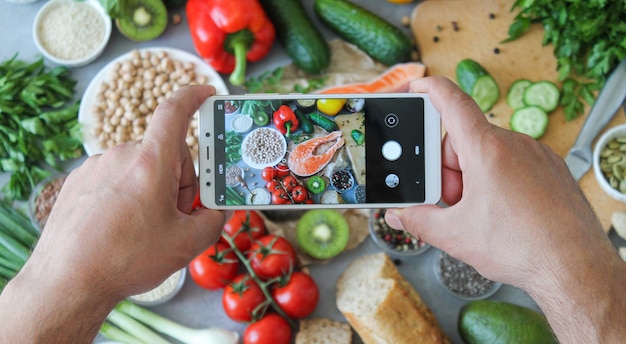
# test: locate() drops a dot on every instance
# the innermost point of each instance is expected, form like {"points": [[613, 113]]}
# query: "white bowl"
{"points": [[95, 50], [617, 131], [162, 293]]}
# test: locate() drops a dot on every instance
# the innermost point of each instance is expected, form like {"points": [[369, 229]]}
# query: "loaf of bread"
{"points": [[382, 306], [323, 331]]}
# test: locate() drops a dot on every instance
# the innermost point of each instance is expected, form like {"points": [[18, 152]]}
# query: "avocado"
{"points": [[495, 322]]}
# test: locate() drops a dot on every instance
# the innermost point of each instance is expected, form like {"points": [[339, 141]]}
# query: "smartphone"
{"points": [[276, 151]]}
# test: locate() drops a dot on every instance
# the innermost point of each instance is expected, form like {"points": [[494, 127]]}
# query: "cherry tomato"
{"points": [[271, 329], [241, 298], [280, 196], [215, 267], [273, 185], [282, 170], [299, 194], [272, 256], [251, 228], [289, 182], [298, 298], [269, 173]]}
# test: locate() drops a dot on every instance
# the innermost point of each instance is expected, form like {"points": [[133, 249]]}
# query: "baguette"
{"points": [[323, 331], [382, 306]]}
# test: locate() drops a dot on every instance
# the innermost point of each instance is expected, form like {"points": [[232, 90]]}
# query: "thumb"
{"points": [[208, 224], [426, 222]]}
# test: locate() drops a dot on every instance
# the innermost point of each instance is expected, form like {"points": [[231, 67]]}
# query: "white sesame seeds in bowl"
{"points": [[71, 33]]}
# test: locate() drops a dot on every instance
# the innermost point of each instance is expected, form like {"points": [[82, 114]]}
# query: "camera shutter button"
{"points": [[392, 150]]}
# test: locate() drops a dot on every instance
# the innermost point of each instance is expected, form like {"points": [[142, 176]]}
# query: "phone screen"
{"points": [[319, 151]]}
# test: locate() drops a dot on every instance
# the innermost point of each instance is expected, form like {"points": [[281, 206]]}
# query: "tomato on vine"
{"points": [[298, 297], [272, 256], [299, 194], [242, 298], [280, 196], [271, 329], [249, 225], [215, 267], [289, 182]]}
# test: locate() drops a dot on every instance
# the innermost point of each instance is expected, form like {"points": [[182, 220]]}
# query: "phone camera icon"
{"points": [[391, 120], [392, 180]]}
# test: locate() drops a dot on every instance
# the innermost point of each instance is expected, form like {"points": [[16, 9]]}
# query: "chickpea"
{"points": [[134, 54]]}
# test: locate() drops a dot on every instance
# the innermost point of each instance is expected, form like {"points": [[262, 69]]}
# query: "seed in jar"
{"points": [[46, 198], [71, 30], [233, 172], [462, 279], [395, 239]]}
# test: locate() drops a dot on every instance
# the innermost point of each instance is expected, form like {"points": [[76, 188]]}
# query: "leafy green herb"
{"points": [[38, 123], [589, 40], [270, 82], [17, 237]]}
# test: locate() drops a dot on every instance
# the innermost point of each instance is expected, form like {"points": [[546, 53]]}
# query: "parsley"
{"points": [[270, 82], [38, 123], [589, 40]]}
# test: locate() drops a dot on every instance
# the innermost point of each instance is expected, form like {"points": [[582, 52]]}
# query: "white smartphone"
{"points": [[272, 151]]}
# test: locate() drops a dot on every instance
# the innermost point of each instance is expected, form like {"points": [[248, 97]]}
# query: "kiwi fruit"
{"points": [[261, 118], [316, 184], [142, 20], [322, 233]]}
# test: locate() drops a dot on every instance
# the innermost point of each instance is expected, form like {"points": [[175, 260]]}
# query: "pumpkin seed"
{"points": [[613, 163]]}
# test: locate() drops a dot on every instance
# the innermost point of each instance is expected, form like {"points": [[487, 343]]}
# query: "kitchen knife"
{"points": [[579, 158]]}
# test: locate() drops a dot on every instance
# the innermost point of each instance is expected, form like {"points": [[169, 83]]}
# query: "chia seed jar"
{"points": [[397, 243], [462, 280]]}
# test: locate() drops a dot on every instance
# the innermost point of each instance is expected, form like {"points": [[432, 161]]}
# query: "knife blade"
{"points": [[579, 158]]}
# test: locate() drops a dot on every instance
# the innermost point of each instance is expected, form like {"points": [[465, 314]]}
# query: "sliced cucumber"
{"points": [[530, 120], [543, 94], [478, 83], [515, 96]]}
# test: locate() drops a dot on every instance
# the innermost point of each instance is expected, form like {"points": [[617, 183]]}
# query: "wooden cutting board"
{"points": [[447, 31]]}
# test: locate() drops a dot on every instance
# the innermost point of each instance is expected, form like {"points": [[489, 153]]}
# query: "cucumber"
{"points": [[303, 42], [530, 120], [375, 36], [515, 96], [500, 322], [323, 121], [543, 94], [304, 122], [478, 83]]}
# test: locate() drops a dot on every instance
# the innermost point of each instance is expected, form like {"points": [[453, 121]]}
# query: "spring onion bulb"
{"points": [[212, 335]]}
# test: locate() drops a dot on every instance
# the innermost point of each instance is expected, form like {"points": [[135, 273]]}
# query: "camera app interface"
{"points": [[323, 151]]}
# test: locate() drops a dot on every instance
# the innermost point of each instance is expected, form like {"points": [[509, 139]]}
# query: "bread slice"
{"points": [[323, 331], [382, 306]]}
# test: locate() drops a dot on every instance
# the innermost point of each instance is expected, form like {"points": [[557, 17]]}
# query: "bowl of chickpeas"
{"points": [[118, 103]]}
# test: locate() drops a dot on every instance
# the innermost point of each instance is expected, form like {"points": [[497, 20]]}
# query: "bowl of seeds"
{"points": [[609, 162], [462, 280], [397, 243]]}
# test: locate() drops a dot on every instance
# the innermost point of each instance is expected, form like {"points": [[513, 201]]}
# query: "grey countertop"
{"points": [[196, 307]]}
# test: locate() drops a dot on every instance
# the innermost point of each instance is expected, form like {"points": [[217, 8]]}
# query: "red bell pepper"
{"points": [[228, 33], [285, 120]]}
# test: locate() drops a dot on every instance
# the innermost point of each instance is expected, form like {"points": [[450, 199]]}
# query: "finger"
{"points": [[452, 186], [209, 224], [461, 117], [170, 121], [425, 222], [188, 185]]}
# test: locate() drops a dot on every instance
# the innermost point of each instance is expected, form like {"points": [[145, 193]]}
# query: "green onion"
{"points": [[114, 333], [184, 334], [134, 328]]}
